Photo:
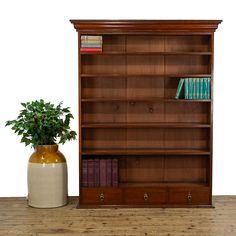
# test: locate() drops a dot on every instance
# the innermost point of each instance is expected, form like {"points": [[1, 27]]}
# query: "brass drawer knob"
{"points": [[189, 197], [145, 197], [101, 197]]}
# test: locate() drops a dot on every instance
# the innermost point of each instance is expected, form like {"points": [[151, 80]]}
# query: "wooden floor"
{"points": [[17, 219]]}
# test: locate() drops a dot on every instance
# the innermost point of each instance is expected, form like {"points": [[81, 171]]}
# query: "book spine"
{"points": [[90, 173], [84, 173], [205, 88], [90, 49], [91, 37], [209, 88], [194, 88], [201, 88], [197, 88], [186, 88], [102, 172], [190, 88], [179, 88], [108, 172], [96, 173], [89, 45], [115, 172]]}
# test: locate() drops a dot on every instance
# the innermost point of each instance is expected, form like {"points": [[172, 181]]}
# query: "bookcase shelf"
{"points": [[155, 152], [144, 99], [146, 125], [143, 75], [148, 53], [139, 146]]}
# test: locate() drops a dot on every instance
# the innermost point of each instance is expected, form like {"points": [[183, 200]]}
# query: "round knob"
{"points": [[101, 196], [189, 197], [145, 196]]}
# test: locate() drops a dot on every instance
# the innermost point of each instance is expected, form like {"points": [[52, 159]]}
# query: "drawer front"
{"points": [[145, 196], [189, 196], [101, 196]]}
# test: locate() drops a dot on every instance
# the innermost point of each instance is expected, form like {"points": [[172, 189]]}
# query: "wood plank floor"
{"points": [[17, 219]]}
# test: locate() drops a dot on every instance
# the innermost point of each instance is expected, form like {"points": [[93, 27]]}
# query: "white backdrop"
{"points": [[38, 59]]}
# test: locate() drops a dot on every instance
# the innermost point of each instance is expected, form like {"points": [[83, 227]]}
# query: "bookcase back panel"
{"points": [[101, 112], [105, 87], [114, 43], [142, 43], [194, 138], [92, 64], [138, 87], [188, 43], [145, 112], [145, 138], [189, 64], [163, 169], [145, 64], [186, 169], [104, 139], [188, 112], [134, 169]]}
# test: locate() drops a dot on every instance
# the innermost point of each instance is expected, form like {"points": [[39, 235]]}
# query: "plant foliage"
{"points": [[41, 123]]}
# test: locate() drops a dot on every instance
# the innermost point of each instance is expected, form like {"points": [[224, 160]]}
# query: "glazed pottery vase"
{"points": [[47, 177]]}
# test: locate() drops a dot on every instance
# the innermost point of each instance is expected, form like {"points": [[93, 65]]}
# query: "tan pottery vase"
{"points": [[47, 177]]}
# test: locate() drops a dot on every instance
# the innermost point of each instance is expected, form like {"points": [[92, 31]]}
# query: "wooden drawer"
{"points": [[200, 196], [101, 196], [145, 195]]}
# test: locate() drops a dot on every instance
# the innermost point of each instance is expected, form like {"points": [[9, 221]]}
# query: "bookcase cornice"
{"points": [[163, 26]]}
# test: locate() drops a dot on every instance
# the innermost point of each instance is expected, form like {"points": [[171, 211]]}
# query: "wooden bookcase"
{"points": [[128, 111]]}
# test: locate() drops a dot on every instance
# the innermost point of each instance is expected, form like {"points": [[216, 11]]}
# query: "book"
{"points": [[90, 45], [205, 85], [197, 88], [96, 173], [208, 88], [201, 88], [90, 173], [91, 37], [90, 49], [179, 88], [103, 177], [84, 173], [114, 172], [186, 88], [108, 172], [190, 88]]}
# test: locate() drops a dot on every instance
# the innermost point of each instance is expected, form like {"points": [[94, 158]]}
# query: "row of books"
{"points": [[100, 173], [193, 88], [91, 43]]}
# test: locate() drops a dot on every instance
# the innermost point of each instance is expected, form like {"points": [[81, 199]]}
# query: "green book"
{"points": [[208, 88], [179, 88], [204, 88], [197, 88], [186, 88], [194, 88], [190, 88], [201, 88]]}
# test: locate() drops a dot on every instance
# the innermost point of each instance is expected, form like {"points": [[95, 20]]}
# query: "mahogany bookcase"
{"points": [[128, 111]]}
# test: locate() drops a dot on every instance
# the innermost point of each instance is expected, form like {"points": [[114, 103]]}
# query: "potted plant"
{"points": [[44, 126]]}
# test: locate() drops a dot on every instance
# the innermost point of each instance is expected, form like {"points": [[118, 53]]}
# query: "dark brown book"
{"points": [[103, 173], [96, 173], [90, 173], [114, 172], [108, 172], [84, 173]]}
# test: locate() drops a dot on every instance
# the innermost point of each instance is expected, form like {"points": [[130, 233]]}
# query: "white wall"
{"points": [[38, 59]]}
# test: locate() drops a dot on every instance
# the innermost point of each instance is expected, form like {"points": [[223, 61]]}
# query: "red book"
{"points": [[90, 173], [91, 49], [102, 173], [115, 172], [96, 173], [108, 177], [84, 173]]}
